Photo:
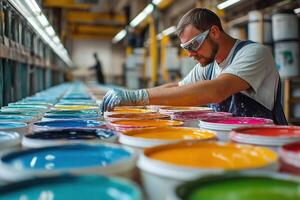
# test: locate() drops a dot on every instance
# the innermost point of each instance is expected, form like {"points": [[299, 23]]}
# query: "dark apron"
{"points": [[241, 105]]}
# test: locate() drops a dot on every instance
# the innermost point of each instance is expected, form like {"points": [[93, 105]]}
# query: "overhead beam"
{"points": [[67, 4], [92, 29], [92, 17]]}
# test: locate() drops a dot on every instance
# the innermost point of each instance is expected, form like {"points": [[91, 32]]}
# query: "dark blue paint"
{"points": [[73, 134], [67, 157]]}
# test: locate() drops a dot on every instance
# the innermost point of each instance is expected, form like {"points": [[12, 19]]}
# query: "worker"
{"points": [[231, 75], [98, 68]]}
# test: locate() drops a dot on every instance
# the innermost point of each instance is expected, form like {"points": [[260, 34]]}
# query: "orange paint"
{"points": [[228, 156], [176, 108], [170, 133]]}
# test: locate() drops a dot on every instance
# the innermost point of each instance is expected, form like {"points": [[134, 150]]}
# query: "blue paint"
{"points": [[72, 188], [70, 123], [16, 118], [27, 106], [7, 125], [67, 157], [5, 136], [73, 134], [72, 116]]}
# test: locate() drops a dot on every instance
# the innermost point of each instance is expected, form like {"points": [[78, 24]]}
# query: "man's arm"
{"points": [[199, 93]]}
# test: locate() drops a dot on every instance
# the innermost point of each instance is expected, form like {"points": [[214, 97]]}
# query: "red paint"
{"points": [[293, 147], [241, 120], [270, 131]]}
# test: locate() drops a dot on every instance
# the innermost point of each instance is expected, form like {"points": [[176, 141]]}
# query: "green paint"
{"points": [[243, 188]]}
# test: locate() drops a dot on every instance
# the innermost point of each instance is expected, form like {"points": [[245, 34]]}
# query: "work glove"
{"points": [[119, 97]]}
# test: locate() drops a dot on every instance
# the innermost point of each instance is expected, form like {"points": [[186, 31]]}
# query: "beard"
{"points": [[204, 60]]}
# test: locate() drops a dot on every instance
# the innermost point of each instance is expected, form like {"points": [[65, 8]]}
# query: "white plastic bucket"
{"points": [[19, 127], [285, 26], [287, 58], [104, 159], [255, 28], [161, 177], [223, 126]]}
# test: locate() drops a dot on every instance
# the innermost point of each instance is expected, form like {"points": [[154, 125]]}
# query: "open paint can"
{"points": [[105, 159], [165, 166], [68, 136], [225, 125], [72, 187]]}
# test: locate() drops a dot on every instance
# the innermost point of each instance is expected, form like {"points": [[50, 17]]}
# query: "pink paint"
{"points": [[270, 131], [240, 120]]}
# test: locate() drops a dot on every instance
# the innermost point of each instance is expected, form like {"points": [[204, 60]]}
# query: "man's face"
{"points": [[206, 53]]}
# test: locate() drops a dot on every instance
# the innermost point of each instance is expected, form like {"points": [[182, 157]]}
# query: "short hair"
{"points": [[200, 18]]}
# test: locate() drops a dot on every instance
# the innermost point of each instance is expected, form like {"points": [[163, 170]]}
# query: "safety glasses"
{"points": [[195, 43]]}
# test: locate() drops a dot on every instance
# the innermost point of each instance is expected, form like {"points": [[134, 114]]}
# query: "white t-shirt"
{"points": [[253, 63]]}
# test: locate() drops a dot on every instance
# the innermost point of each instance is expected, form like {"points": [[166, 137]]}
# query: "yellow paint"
{"points": [[137, 116], [228, 156], [77, 107], [131, 110], [148, 123], [171, 133]]}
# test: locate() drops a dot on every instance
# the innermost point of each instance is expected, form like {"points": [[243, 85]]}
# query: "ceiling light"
{"points": [[140, 17], [226, 4], [119, 36]]}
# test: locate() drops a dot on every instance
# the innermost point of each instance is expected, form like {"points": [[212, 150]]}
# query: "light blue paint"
{"points": [[72, 116], [16, 118], [72, 188], [67, 157], [7, 125]]}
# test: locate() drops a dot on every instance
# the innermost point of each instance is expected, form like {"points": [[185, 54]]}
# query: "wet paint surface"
{"points": [[275, 131], [240, 120], [293, 147], [131, 110], [75, 188], [72, 116], [170, 133], [137, 116], [7, 125], [66, 157], [215, 155], [70, 123], [199, 115], [246, 189], [145, 123], [16, 118], [72, 134]]}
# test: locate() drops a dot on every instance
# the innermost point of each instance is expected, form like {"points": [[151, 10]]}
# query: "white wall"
{"points": [[111, 59]]}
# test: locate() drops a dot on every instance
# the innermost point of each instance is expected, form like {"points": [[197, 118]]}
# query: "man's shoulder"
{"points": [[254, 49]]}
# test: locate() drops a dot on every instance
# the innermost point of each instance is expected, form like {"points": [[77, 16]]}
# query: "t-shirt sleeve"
{"points": [[251, 64], [196, 74]]}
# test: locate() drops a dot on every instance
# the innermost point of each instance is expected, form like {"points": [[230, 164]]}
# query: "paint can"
{"points": [[164, 167], [174, 109], [9, 140], [72, 187], [68, 136], [135, 116], [149, 137], [191, 119], [290, 157], [18, 118], [223, 126], [269, 136], [19, 127], [66, 124], [122, 125], [72, 117], [246, 186], [79, 159]]}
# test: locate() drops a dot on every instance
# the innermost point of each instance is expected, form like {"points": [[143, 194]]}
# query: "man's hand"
{"points": [[118, 97]]}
